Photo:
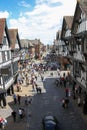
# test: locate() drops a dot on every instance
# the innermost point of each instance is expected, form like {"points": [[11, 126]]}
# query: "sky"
{"points": [[36, 19]]}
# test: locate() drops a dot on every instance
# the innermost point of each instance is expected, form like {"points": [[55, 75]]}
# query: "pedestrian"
{"points": [[14, 115], [74, 95], [15, 98], [33, 86], [36, 77], [39, 90], [18, 88], [64, 82], [20, 113], [67, 92], [36, 88], [29, 99], [3, 122], [26, 100], [79, 101], [19, 99], [66, 102], [42, 78], [63, 102]]}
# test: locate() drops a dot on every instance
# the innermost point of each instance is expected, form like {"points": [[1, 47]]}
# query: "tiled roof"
{"points": [[2, 28], [67, 24], [25, 43], [83, 6], [13, 33], [29, 43], [69, 20]]}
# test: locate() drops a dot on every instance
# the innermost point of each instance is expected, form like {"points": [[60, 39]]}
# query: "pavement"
{"points": [[22, 124], [6, 112]]}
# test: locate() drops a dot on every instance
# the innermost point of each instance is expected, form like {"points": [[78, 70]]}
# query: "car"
{"points": [[50, 122]]}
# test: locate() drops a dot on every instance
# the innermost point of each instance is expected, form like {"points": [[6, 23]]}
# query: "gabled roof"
{"points": [[67, 23], [81, 6], [13, 33], [58, 35], [3, 27], [69, 20], [25, 43]]}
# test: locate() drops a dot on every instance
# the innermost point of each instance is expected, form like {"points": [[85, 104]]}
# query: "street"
{"points": [[49, 102]]}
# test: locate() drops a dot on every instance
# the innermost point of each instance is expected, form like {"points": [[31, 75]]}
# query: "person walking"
{"points": [[26, 100], [20, 113], [79, 101], [63, 102], [14, 115], [3, 123], [66, 102], [29, 99], [67, 91], [15, 98], [19, 99]]}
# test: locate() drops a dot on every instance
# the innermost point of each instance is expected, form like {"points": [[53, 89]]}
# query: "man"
{"points": [[14, 115]]}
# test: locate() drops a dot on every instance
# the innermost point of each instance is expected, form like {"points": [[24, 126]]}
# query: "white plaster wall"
{"points": [[0, 57], [68, 33], [79, 56], [82, 80], [82, 27]]}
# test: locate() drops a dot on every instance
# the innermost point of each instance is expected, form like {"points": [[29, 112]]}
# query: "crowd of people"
{"points": [[25, 78], [29, 76]]}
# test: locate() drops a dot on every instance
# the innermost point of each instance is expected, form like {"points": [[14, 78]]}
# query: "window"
{"points": [[4, 40], [3, 56], [77, 69], [0, 80], [15, 67], [8, 55], [7, 77], [85, 45]]}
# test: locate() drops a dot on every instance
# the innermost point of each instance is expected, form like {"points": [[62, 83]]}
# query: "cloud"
{"points": [[4, 14], [44, 20], [24, 4]]}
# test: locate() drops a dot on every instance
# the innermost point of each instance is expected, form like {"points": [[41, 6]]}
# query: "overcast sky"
{"points": [[39, 19]]}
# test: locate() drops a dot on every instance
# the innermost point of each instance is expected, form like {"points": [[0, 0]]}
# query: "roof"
{"points": [[83, 6], [29, 43], [69, 20], [13, 33], [2, 28], [67, 23]]}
